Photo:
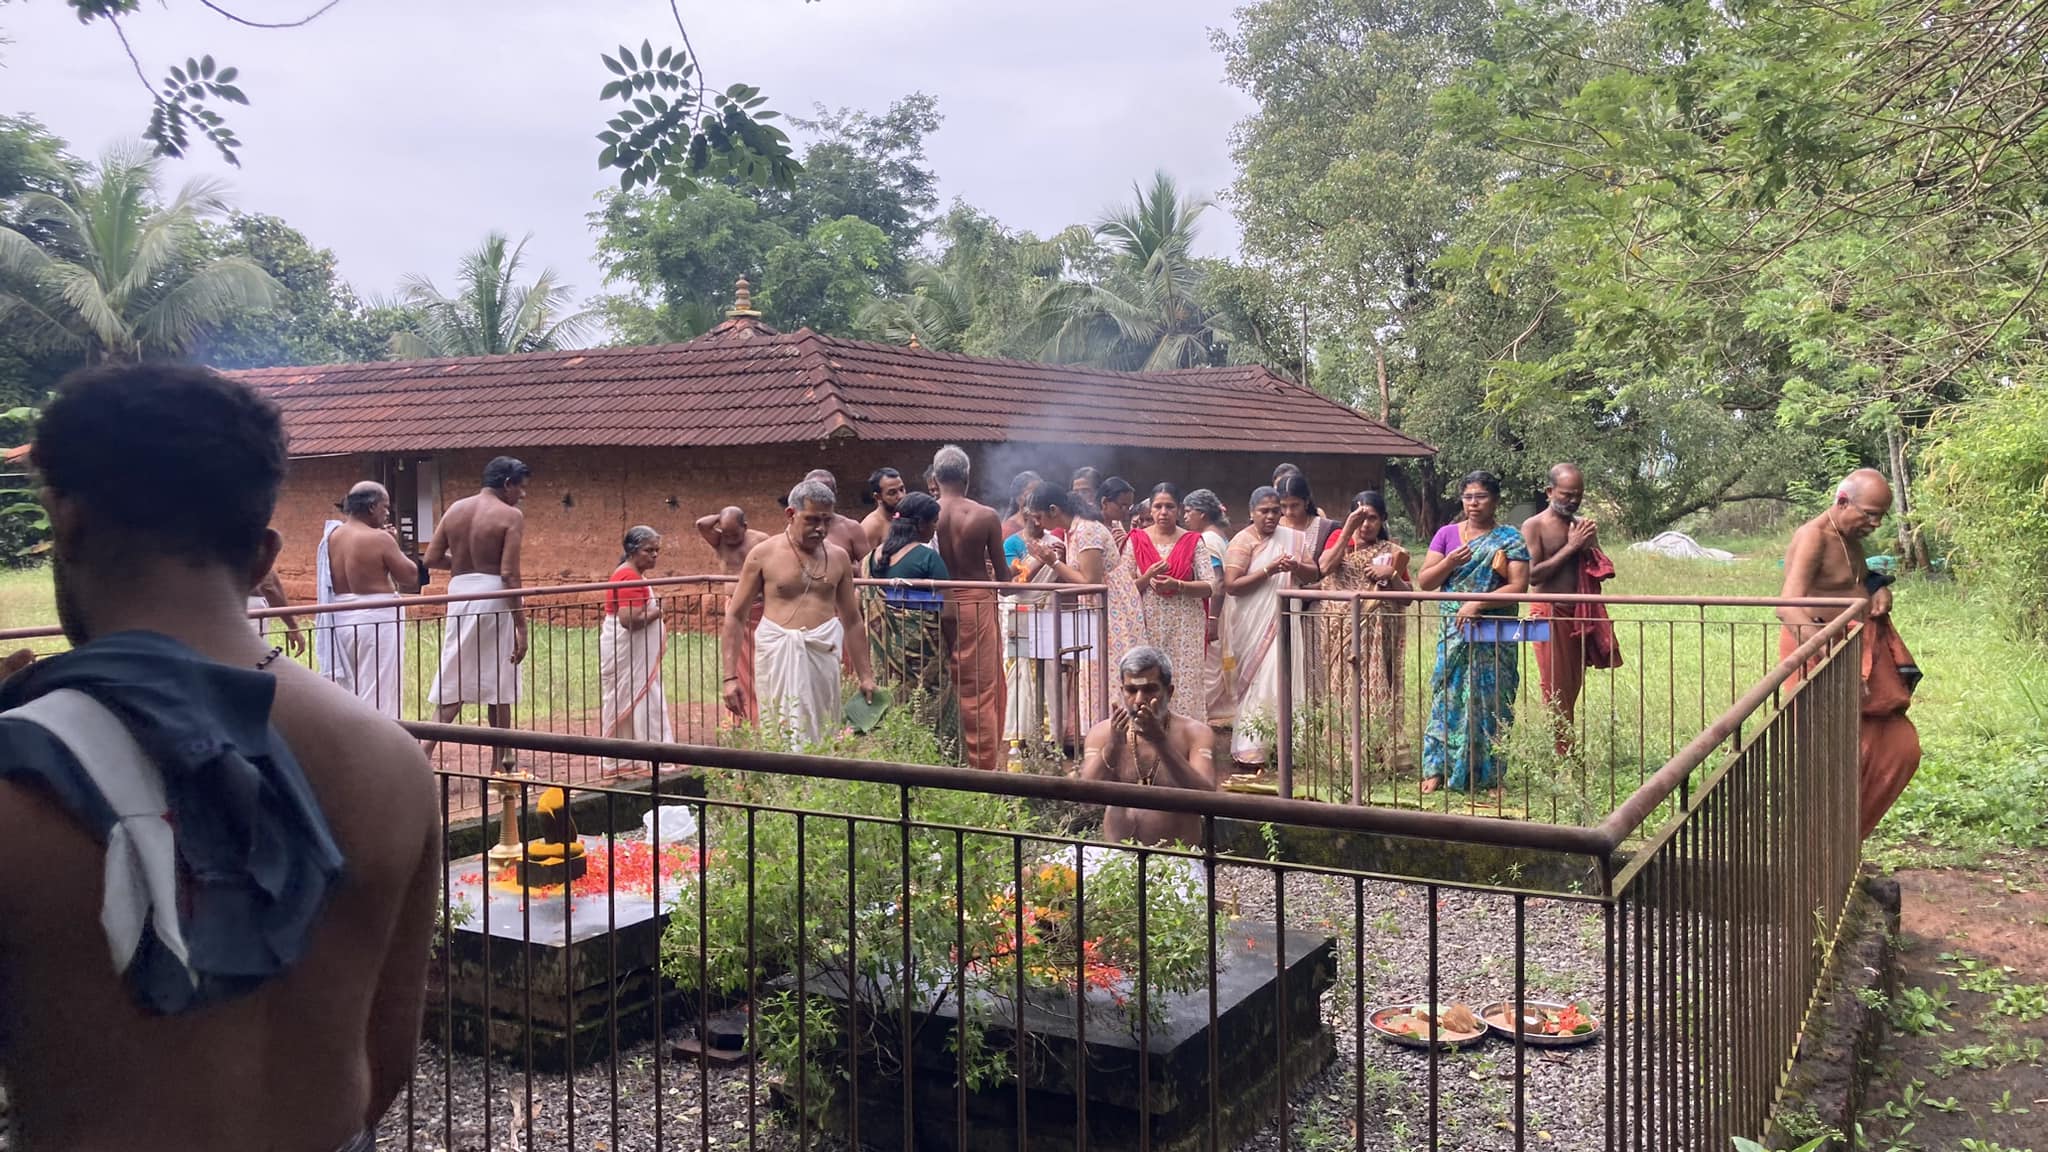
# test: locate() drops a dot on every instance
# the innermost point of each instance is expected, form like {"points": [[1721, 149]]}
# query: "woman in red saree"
{"points": [[630, 646], [1173, 572]]}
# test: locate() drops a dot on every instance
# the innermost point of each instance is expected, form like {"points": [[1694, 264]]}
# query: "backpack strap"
{"points": [[142, 854]]}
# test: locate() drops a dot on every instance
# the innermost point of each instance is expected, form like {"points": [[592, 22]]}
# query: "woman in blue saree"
{"points": [[1473, 688]]}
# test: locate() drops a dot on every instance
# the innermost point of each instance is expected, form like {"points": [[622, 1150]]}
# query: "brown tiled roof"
{"points": [[744, 383]]}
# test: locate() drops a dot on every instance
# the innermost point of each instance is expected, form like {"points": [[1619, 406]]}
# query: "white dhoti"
{"points": [[633, 701], [476, 645], [1024, 718], [366, 650], [796, 672], [258, 604]]}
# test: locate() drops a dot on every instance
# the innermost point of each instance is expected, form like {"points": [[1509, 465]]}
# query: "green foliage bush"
{"points": [[850, 895], [1985, 493]]}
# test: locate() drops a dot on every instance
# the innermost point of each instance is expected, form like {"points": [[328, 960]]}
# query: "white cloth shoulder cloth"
{"points": [[142, 853]]}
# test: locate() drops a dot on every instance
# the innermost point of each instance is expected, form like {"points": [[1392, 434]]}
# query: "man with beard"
{"points": [[1825, 561], [806, 582], [367, 645], [885, 491], [1565, 559], [186, 965], [1145, 742]]}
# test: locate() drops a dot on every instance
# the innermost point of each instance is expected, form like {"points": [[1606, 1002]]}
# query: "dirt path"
{"points": [[1966, 1069]]}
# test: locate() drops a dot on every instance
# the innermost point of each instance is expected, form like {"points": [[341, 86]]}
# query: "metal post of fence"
{"points": [[1357, 703], [1056, 707], [1102, 660], [1283, 738]]}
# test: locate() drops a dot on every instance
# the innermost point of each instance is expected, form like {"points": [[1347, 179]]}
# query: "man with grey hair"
{"points": [[1145, 742], [971, 543], [809, 609], [366, 645]]}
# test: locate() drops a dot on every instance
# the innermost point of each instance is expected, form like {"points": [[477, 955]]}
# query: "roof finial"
{"points": [[743, 301], [913, 341]]}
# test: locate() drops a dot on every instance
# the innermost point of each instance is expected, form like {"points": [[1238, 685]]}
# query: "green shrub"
{"points": [[1984, 491], [947, 916]]}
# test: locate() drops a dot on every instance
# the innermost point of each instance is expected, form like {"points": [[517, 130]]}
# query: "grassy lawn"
{"points": [[26, 601], [1983, 783], [561, 668], [1982, 787]]}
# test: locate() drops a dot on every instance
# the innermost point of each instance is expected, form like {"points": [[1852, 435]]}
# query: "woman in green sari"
{"points": [[909, 650], [1473, 688]]}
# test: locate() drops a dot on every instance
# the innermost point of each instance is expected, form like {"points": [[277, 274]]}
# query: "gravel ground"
{"points": [[1562, 960], [1563, 1088]]}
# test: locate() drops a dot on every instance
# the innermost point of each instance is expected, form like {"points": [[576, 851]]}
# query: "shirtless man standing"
{"points": [[807, 583], [367, 645], [844, 531], [1145, 742], [887, 488], [292, 1021], [1826, 560], [732, 541], [971, 544], [478, 539], [269, 593], [1565, 559]]}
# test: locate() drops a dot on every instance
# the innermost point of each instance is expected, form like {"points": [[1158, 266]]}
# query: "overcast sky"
{"points": [[397, 132]]}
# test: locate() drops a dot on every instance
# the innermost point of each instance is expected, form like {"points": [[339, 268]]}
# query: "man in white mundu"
{"points": [[483, 640], [1264, 559], [806, 583], [366, 645]]}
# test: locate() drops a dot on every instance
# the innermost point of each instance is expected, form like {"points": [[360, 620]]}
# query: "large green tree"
{"points": [[318, 318], [979, 295], [823, 280], [1828, 213], [672, 256], [492, 313], [103, 268], [32, 159], [1369, 210]]}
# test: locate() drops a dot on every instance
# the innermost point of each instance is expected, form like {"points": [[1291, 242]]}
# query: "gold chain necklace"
{"points": [[799, 553]]}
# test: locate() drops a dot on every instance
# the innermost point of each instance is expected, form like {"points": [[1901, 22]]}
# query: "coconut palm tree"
{"points": [[101, 267], [936, 312], [492, 314], [1145, 309]]}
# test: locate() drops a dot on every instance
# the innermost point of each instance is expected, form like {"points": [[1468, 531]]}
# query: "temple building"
{"points": [[661, 435]]}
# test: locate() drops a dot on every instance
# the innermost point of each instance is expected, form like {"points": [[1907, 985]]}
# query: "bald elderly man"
{"points": [[1826, 560], [731, 541], [367, 644]]}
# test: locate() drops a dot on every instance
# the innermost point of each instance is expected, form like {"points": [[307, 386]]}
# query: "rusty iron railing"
{"points": [[1360, 701], [835, 915], [1050, 640]]}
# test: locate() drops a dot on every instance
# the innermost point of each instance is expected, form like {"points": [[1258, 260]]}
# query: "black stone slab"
{"points": [[1268, 1036], [558, 973]]}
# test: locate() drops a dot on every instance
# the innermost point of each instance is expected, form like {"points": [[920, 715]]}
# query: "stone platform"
{"points": [[1173, 1098], [555, 971]]}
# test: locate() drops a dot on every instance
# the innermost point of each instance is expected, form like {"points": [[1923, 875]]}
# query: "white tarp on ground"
{"points": [[1679, 546]]}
